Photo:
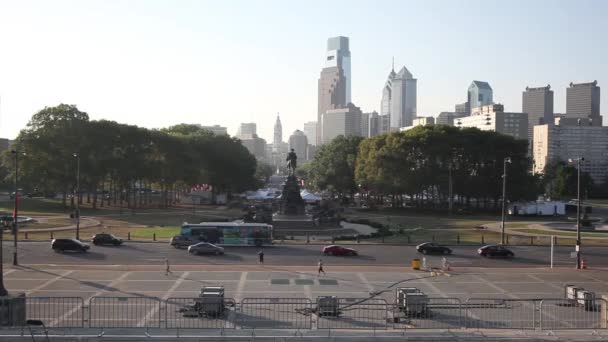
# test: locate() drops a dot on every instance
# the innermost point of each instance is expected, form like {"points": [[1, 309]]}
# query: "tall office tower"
{"points": [[299, 143], [385, 104], [310, 130], [338, 55], [365, 124], [278, 134], [402, 99], [334, 82], [479, 94], [247, 129], [583, 101], [538, 103]]}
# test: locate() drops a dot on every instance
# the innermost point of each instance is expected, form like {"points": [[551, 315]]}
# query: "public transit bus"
{"points": [[229, 233]]}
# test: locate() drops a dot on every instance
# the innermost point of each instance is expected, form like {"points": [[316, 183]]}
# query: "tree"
{"points": [[560, 180], [333, 168]]}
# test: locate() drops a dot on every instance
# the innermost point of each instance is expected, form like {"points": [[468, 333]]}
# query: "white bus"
{"points": [[229, 233]]}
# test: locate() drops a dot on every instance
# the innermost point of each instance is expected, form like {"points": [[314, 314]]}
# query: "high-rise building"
{"points": [[403, 95], [479, 94], [342, 121], [563, 141], [493, 118], [338, 55], [447, 118], [4, 144], [335, 80], [247, 129], [462, 108], [278, 134], [299, 143], [365, 124], [583, 101], [310, 130], [420, 121], [385, 104], [216, 129], [255, 145], [538, 103]]}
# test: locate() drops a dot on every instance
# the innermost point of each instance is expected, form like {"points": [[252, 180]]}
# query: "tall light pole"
{"points": [[16, 209], [578, 161], [450, 193], [77, 195], [504, 199]]}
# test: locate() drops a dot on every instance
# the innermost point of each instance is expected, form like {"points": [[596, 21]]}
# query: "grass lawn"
{"points": [[561, 233]]}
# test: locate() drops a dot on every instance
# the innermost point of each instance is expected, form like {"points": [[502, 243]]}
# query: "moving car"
{"points": [[495, 251], [432, 248], [106, 239], [205, 248], [179, 241], [338, 250], [62, 245]]}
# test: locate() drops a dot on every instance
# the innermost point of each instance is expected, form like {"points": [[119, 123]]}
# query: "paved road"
{"points": [[134, 253]]}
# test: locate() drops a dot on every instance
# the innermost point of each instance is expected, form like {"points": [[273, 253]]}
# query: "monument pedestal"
{"points": [[12, 310]]}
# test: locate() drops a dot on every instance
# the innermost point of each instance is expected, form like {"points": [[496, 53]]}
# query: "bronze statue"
{"points": [[292, 162]]}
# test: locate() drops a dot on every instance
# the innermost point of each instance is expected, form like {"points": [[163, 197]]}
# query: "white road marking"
{"points": [[48, 282], [432, 286], [142, 322], [307, 291], [8, 272], [366, 282], [238, 295], [86, 301], [555, 286]]}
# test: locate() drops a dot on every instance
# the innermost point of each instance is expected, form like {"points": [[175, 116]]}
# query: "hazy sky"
{"points": [[159, 63]]}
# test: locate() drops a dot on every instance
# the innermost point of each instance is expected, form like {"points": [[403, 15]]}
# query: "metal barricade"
{"points": [[185, 313], [124, 312], [436, 313], [56, 312], [275, 313], [558, 314], [354, 313], [491, 313]]}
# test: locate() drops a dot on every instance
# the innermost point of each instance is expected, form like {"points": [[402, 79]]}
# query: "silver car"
{"points": [[205, 248]]}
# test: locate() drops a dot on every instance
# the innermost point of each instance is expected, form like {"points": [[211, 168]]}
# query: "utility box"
{"points": [[211, 301], [328, 306], [401, 296], [12, 310], [586, 299], [416, 304], [571, 291]]}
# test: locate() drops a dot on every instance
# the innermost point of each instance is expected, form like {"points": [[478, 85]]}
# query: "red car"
{"points": [[338, 250]]}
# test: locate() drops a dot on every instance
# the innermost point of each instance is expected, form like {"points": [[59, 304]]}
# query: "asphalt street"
{"points": [[138, 253]]}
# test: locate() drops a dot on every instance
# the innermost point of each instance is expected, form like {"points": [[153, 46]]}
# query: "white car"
{"points": [[205, 248]]}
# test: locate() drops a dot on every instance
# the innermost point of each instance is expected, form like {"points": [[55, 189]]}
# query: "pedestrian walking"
{"points": [[167, 267], [320, 268], [261, 257]]}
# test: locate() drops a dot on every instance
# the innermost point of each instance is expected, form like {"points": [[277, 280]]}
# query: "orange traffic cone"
{"points": [[583, 266]]}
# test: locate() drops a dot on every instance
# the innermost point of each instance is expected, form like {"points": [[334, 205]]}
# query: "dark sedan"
{"points": [[491, 251], [432, 248], [339, 250], [106, 239]]}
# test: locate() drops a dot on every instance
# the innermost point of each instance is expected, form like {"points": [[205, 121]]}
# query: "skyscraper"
{"points": [[338, 55], [479, 94], [310, 130], [334, 82], [247, 129], [278, 134], [342, 121], [402, 99], [538, 103], [299, 143], [583, 101], [385, 104]]}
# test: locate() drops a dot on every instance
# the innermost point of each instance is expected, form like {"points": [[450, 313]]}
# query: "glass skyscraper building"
{"points": [[338, 55]]}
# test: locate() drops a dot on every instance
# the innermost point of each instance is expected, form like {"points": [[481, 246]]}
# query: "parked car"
{"points": [[338, 250], [432, 248], [62, 245], [495, 251], [179, 241], [205, 248], [106, 239]]}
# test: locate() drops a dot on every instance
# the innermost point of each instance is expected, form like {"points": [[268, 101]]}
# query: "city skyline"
{"points": [[152, 65]]}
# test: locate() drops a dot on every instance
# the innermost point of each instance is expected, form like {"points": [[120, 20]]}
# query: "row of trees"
{"points": [[119, 158], [417, 165]]}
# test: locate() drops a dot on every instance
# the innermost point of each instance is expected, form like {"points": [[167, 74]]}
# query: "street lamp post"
{"points": [[450, 192], [504, 199], [77, 196], [16, 209], [578, 161]]}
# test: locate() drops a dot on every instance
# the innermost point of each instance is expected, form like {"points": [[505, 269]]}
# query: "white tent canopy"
{"points": [[309, 197]]}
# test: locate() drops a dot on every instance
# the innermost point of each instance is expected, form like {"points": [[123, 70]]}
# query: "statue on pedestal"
{"points": [[292, 162]]}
